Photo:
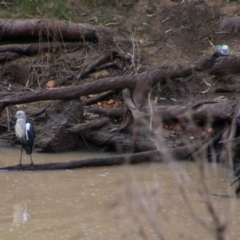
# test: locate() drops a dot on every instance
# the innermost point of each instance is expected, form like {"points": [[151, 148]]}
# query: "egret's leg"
{"points": [[31, 159], [20, 163]]}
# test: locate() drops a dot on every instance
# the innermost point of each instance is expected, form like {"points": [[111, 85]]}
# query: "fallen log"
{"points": [[102, 85], [94, 162], [34, 48], [40, 29], [67, 93], [143, 157]]}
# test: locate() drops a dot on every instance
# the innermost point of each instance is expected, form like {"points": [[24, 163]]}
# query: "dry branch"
{"points": [[222, 110], [107, 112], [14, 51], [98, 98], [8, 56], [139, 118], [88, 126], [97, 63], [147, 80], [227, 88]]}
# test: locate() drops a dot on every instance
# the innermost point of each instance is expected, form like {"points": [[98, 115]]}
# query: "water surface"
{"points": [[120, 202]]}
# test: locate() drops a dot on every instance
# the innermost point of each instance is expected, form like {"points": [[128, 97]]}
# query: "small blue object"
{"points": [[113, 130], [223, 49]]}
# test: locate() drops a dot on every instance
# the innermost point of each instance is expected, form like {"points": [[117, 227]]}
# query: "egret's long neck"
{"points": [[20, 128]]}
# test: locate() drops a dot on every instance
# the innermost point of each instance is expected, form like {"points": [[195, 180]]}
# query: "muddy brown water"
{"points": [[121, 202]]}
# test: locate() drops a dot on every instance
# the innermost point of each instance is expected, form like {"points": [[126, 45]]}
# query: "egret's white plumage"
{"points": [[28, 128], [20, 127]]}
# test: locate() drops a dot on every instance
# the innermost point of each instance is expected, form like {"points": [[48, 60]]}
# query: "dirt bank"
{"points": [[74, 90]]}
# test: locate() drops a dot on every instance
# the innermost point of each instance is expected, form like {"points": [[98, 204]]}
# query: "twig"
{"points": [[151, 110], [163, 21], [208, 84], [86, 142], [134, 48], [110, 24], [232, 133], [41, 110], [203, 92], [230, 140], [8, 119], [98, 98], [212, 45], [169, 30], [234, 181]]}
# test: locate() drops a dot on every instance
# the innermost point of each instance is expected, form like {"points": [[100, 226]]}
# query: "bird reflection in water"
{"points": [[20, 213]]}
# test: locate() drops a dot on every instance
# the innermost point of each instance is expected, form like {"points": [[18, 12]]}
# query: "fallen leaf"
{"points": [[165, 126], [211, 130], [110, 101], [178, 127], [51, 84]]}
